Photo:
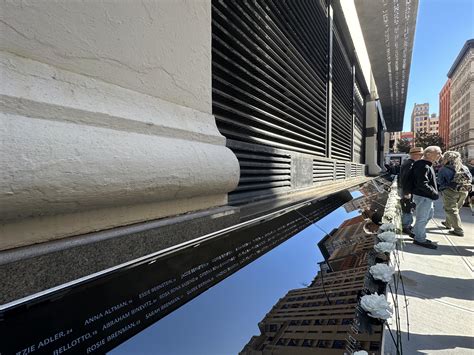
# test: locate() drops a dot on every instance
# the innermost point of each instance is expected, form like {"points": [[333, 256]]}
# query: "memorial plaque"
{"points": [[99, 313]]}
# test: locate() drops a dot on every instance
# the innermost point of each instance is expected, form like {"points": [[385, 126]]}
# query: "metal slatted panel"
{"points": [[340, 171], [323, 170], [262, 171], [359, 124], [342, 97], [269, 73]]}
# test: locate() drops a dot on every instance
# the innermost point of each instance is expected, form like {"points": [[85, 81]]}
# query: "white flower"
{"points": [[388, 236], [392, 211], [389, 215], [382, 272], [387, 227], [377, 306], [384, 247], [361, 352]]}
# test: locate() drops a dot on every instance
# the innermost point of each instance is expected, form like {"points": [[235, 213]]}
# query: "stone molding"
{"points": [[74, 147]]}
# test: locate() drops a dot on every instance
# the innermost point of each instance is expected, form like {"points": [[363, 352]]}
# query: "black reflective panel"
{"points": [[98, 314]]}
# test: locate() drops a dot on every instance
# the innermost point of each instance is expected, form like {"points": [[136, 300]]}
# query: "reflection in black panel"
{"points": [[98, 314]]}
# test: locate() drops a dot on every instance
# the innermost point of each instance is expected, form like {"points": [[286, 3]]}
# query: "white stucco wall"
{"points": [[159, 48], [105, 117]]}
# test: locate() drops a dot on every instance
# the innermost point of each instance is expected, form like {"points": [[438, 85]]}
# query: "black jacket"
{"points": [[404, 170], [424, 180]]}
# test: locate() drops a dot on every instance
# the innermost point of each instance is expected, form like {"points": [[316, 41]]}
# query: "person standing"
{"points": [[470, 165], [454, 180], [425, 191], [406, 198]]}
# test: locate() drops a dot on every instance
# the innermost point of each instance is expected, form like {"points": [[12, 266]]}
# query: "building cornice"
{"points": [[469, 44]]}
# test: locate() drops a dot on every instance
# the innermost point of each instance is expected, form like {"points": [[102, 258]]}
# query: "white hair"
{"points": [[432, 149]]}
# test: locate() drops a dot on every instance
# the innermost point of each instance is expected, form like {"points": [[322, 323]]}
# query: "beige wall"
{"points": [[159, 48], [462, 107], [105, 110]]}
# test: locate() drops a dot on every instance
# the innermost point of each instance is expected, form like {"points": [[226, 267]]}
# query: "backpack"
{"points": [[462, 180]]}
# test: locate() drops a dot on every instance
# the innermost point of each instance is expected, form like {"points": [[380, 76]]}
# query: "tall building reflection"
{"points": [[323, 318]]}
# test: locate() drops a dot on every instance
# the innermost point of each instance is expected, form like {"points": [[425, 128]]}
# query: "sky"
{"points": [[442, 28], [224, 318]]}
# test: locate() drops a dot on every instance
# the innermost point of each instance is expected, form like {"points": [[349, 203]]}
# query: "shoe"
{"points": [[426, 244], [412, 235], [459, 234], [445, 225], [407, 230]]}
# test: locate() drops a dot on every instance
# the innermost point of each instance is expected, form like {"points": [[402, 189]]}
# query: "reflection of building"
{"points": [[444, 112], [339, 236], [347, 246], [461, 125], [316, 319], [360, 203]]}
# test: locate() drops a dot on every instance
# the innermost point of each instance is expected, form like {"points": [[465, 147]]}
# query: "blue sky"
{"points": [[224, 318], [442, 28]]}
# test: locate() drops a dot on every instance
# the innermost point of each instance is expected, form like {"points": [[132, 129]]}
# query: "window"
{"points": [[339, 344], [374, 345], [293, 342], [323, 344]]}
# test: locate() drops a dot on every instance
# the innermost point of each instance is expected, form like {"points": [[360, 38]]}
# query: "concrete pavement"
{"points": [[440, 292]]}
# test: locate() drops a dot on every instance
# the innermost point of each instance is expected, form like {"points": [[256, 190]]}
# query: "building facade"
{"points": [[422, 120], [445, 112], [461, 124], [163, 121], [433, 126], [420, 117]]}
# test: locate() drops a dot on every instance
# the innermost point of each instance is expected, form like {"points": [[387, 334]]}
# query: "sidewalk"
{"points": [[440, 291]]}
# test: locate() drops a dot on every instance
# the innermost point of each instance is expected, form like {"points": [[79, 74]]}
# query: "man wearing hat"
{"points": [[407, 199]]}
